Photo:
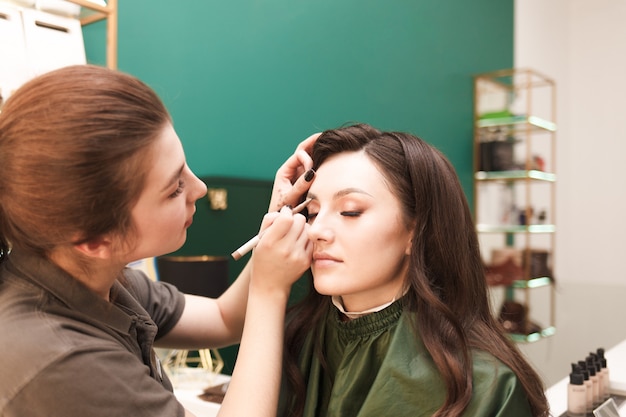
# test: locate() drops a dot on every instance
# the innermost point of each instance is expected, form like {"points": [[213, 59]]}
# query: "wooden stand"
{"points": [[95, 13]]}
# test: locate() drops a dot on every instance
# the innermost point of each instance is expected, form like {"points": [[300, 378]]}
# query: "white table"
{"points": [[187, 392]]}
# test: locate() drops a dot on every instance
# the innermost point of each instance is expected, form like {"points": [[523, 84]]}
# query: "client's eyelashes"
{"points": [[179, 189], [310, 216]]}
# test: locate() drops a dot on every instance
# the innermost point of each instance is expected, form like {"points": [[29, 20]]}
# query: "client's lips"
{"points": [[188, 222], [322, 258]]}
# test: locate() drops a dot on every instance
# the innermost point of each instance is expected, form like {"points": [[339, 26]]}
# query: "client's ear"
{"points": [[95, 248], [409, 243]]}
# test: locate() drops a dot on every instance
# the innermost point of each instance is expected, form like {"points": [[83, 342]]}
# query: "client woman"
{"points": [[398, 322]]}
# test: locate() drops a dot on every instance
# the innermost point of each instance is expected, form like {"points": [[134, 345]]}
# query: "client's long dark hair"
{"points": [[447, 294]]}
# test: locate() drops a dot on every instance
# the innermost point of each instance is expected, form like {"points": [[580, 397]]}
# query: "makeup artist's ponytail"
{"points": [[74, 153]]}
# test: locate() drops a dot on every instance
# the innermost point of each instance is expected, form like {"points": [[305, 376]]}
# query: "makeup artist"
{"points": [[93, 176], [397, 322]]}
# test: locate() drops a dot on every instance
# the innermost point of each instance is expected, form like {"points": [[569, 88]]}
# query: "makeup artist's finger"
{"points": [[282, 254], [268, 219], [288, 236], [304, 159], [280, 224], [299, 188], [282, 191], [292, 180], [300, 248], [307, 144], [303, 242], [297, 227], [289, 173], [299, 162]]}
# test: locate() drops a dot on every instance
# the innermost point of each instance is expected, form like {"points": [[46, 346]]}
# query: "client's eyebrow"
{"points": [[351, 190], [344, 192]]}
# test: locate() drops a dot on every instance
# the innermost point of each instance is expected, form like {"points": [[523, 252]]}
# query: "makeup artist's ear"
{"points": [[95, 248]]}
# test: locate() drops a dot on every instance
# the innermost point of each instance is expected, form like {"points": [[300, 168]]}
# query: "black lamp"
{"points": [[197, 275]]}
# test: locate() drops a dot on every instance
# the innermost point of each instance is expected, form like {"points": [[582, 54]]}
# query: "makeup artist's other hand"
{"points": [[283, 253], [294, 177]]}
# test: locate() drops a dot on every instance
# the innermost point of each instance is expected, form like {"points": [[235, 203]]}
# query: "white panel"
{"points": [[61, 7], [25, 3], [13, 65], [52, 41]]}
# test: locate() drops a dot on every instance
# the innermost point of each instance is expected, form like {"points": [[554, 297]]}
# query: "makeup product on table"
{"points": [[576, 396], [605, 373]]}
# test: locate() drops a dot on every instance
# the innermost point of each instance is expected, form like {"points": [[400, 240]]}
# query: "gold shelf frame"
{"points": [[91, 13], [527, 126]]}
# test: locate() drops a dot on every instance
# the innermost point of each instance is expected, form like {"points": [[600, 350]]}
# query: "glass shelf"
{"points": [[532, 283], [517, 123], [533, 337], [515, 110], [514, 175], [533, 228]]}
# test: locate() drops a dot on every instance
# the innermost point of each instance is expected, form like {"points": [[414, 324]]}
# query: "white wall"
{"points": [[581, 44], [597, 62]]}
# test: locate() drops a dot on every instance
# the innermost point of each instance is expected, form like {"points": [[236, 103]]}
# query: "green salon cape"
{"points": [[378, 368]]}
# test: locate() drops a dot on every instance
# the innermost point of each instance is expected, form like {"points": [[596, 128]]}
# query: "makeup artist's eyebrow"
{"points": [[174, 178]]}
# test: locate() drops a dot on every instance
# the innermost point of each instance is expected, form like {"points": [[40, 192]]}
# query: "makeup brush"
{"points": [[249, 245]]}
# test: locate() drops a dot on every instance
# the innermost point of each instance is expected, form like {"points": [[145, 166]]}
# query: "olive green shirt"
{"points": [[377, 367], [66, 352]]}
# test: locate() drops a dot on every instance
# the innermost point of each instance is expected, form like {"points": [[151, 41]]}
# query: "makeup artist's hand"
{"points": [[294, 177], [283, 253]]}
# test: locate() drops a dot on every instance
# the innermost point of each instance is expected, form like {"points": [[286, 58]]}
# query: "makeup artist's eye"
{"points": [[179, 189]]}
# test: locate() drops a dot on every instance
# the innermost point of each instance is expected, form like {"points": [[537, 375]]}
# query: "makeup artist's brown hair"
{"points": [[74, 154], [447, 289]]}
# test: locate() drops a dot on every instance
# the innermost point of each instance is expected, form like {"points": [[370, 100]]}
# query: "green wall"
{"points": [[245, 80]]}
